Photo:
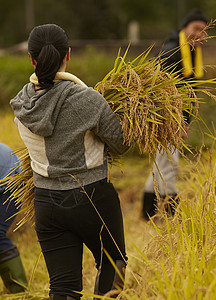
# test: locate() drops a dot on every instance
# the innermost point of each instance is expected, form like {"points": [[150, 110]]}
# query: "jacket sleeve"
{"points": [[108, 128]]}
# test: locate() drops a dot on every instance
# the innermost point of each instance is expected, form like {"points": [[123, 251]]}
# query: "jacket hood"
{"points": [[38, 111]]}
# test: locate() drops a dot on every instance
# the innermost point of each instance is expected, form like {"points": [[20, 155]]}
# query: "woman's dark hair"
{"points": [[48, 45]]}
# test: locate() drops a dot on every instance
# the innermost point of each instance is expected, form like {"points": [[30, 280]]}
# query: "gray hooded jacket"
{"points": [[65, 130]]}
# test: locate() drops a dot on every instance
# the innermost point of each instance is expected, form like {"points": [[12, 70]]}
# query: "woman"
{"points": [[66, 127], [11, 267]]}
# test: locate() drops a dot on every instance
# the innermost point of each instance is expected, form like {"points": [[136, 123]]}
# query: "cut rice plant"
{"points": [[148, 99], [179, 260], [22, 188]]}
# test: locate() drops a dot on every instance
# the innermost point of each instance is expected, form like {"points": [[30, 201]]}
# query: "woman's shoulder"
{"points": [[83, 92]]}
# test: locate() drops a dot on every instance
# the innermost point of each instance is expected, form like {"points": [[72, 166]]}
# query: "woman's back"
{"points": [[64, 129], [66, 126]]}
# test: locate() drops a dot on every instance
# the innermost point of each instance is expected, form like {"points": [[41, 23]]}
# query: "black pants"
{"points": [[67, 219]]}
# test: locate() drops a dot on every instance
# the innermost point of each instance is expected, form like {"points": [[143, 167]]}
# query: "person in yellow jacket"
{"points": [[182, 53]]}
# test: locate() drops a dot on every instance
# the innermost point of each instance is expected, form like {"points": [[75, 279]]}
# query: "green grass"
{"points": [[90, 66]]}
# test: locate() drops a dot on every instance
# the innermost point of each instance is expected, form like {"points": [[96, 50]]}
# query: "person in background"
{"points": [[66, 127], [182, 53], [11, 267]]}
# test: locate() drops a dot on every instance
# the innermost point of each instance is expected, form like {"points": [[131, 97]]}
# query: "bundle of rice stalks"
{"points": [[22, 188], [148, 100]]}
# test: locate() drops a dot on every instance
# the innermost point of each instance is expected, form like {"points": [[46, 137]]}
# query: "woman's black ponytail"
{"points": [[48, 63], [48, 45]]}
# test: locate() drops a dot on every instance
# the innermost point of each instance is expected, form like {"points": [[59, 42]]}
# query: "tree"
{"points": [[93, 19]]}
